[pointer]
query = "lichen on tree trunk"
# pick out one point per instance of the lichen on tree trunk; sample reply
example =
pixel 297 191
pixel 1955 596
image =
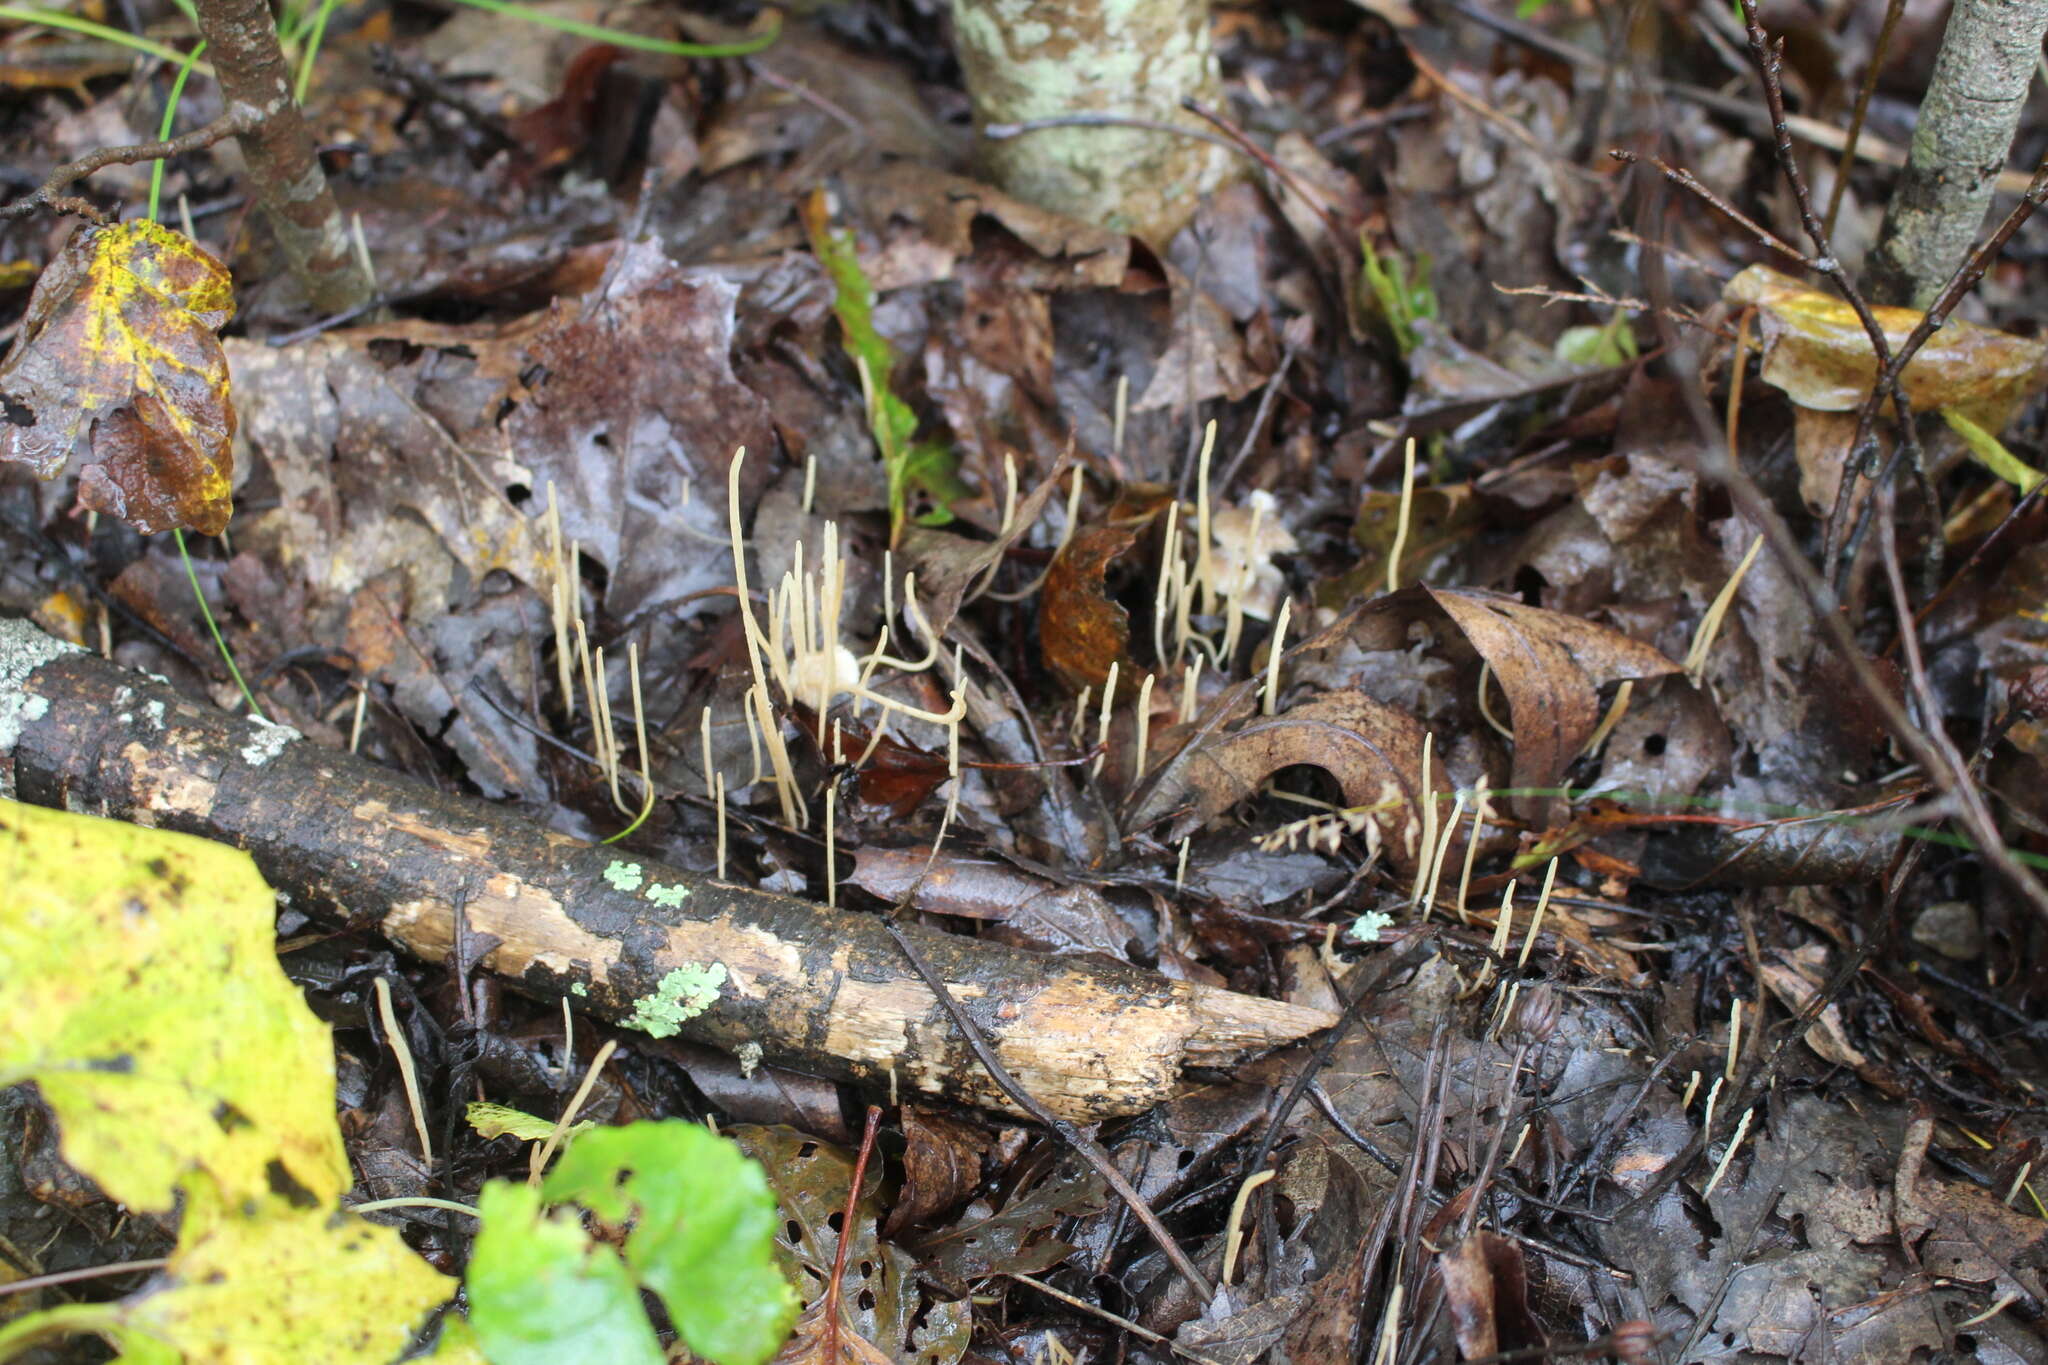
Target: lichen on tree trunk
pixel 1967 120
pixel 1042 59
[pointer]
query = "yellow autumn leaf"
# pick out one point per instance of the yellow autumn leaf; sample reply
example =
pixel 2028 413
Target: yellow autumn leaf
pixel 1818 352
pixel 143 996
pixel 286 1286
pixel 118 345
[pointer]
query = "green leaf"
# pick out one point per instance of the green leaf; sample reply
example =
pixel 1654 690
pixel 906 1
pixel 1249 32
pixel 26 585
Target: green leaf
pixel 540 1291
pixel 927 465
pixel 1402 300
pixel 703 1230
pixel 1991 452
pixel 175 1048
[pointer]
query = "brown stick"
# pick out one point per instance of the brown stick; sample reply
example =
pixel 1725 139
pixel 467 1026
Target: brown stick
pixel 813 989
pixel 289 183
pixel 50 194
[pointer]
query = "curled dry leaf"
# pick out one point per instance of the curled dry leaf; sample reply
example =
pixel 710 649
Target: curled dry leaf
pixel 1816 350
pixel 1081 631
pixel 119 334
pixel 1372 750
pixel 1487 1289
pixel 1551 666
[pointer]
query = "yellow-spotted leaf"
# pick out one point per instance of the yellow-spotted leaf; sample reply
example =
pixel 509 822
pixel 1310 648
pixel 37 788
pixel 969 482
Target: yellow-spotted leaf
pixel 139 988
pixel 301 1286
pixel 118 351
pixel 1817 351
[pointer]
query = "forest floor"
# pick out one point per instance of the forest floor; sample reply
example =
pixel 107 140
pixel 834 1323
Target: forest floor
pixel 1395 595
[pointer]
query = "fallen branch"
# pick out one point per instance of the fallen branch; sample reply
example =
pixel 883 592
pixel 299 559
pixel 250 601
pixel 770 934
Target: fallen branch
pixel 802 987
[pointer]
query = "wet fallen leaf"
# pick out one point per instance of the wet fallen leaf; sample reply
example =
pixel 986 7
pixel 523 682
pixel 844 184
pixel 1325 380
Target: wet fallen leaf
pixel 879 1298
pixel 1081 631
pixel 894 779
pixel 1816 350
pixel 811 1344
pixel 119 340
pixel 1372 750
pixel 941 1166
pixel 1035 912
pixel 1019 1239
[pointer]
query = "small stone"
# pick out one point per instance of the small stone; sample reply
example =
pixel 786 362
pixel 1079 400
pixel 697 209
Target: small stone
pixel 1950 928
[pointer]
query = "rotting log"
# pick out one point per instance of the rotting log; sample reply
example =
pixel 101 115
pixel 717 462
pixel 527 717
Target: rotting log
pixel 812 989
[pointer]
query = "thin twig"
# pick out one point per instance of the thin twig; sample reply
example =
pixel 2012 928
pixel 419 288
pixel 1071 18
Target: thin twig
pixel 1238 138
pixel 1877 52
pixel 1089 1150
pixel 1258 426
pixel 829 1342
pixel 90 1272
pixel 239 119
pixel 1367 988
pixel 1690 183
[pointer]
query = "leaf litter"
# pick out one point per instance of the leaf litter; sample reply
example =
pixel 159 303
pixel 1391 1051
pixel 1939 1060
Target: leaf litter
pixel 1656 1075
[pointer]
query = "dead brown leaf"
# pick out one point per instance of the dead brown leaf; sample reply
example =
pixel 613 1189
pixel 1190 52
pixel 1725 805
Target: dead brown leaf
pixel 1372 750
pixel 1081 632
pixel 1551 666
pixel 941 1166
pixel 1487 1290
pixel 120 334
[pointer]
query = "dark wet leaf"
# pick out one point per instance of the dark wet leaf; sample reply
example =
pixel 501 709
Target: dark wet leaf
pixel 631 408
pixel 1036 912
pixel 1487 1290
pixel 1018 1239
pixel 941 1166
pixel 813 1344
pixel 895 779
pixel 119 340
pixel 879 1297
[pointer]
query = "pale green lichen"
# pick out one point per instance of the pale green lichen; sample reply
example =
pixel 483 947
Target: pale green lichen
pixel 1368 927
pixel 683 994
pixel 670 896
pixel 624 875
pixel 578 989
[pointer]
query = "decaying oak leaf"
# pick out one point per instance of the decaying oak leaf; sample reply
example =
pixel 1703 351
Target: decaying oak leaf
pixel 119 340
pixel 1816 350
pixel 1373 750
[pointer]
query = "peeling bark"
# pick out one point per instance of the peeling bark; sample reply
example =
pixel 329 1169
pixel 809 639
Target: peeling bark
pixel 816 990
pixel 1967 120
pixel 1027 60
pixel 242 45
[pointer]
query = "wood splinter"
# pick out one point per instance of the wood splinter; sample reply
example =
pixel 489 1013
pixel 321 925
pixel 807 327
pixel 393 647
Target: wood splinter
pixel 816 990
